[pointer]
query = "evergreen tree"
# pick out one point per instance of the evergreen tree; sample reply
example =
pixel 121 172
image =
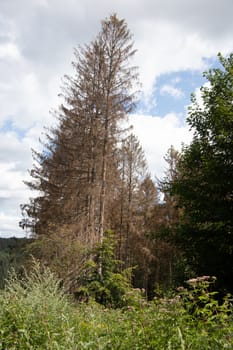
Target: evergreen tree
pixel 74 173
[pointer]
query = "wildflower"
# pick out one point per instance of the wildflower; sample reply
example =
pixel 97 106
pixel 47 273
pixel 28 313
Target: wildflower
pixel 200 279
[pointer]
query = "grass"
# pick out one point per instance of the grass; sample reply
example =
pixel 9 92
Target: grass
pixel 36 314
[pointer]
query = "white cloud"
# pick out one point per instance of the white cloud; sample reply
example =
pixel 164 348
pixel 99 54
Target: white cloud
pixel 157 134
pixel 8 225
pixel 15 151
pixel 171 90
pixel 15 159
pixel 25 99
pixel 171 49
pixel 9 51
pixel 12 193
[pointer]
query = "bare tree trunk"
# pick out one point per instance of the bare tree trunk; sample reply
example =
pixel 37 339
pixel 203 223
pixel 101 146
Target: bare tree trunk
pixel 129 218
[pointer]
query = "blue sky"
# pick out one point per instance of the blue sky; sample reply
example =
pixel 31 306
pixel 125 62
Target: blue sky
pixel 171 93
pixel 175 41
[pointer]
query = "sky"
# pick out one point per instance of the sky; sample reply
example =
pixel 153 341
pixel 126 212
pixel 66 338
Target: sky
pixel 176 40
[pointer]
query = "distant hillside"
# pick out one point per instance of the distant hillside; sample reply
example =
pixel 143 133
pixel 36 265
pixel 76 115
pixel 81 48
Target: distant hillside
pixel 12 254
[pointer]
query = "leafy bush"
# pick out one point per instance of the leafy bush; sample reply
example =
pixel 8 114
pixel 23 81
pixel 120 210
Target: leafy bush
pixel 203 303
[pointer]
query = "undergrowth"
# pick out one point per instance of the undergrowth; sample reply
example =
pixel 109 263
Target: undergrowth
pixel 36 314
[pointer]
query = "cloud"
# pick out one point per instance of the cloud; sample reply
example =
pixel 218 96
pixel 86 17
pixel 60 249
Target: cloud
pixel 171 90
pixel 12 193
pixel 168 36
pixel 25 97
pixel 156 135
pixel 9 51
pixel 7 224
pixel 15 159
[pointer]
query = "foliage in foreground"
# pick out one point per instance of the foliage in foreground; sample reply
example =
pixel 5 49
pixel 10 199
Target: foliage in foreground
pixel 35 314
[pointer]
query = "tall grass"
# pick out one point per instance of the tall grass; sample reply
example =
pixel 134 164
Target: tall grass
pixel 36 314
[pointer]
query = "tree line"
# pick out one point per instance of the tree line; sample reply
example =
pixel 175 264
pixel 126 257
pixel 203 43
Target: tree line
pixel 92 177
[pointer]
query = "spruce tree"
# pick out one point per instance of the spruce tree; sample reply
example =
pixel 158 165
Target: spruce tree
pixel 74 177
